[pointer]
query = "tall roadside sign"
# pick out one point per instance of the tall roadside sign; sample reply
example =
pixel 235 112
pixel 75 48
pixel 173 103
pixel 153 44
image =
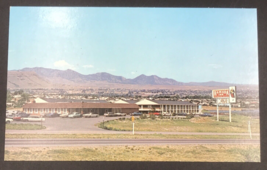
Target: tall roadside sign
pixel 225 97
pixel 232 96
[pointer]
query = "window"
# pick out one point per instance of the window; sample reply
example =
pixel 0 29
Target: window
pixel 35 110
pixel 47 110
pixel 58 110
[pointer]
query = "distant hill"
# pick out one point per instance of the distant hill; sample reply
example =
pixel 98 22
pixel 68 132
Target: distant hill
pixel 154 80
pixel 21 79
pixel 45 77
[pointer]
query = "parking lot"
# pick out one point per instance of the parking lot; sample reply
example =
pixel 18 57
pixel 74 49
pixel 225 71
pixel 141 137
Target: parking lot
pixel 72 124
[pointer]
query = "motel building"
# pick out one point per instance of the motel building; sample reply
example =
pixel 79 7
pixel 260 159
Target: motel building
pixel 148 106
pixel 97 108
pixel 40 106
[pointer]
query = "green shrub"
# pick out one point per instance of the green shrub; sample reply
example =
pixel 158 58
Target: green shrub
pixel 173 114
pixel 152 116
pixel 161 116
pixel 143 116
pixel 190 116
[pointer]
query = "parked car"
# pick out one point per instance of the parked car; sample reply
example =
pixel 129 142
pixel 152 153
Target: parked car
pixel 87 115
pixel 155 113
pixel 33 119
pixel 109 114
pixel 23 114
pixel 166 114
pixel 47 114
pixel 8 120
pixel 10 116
pixel 181 114
pixel 52 115
pixel 75 115
pixel 136 114
pixel 120 114
pixel 64 115
pixel 206 115
pixel 17 118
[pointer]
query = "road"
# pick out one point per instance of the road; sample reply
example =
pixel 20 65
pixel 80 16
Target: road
pixel 123 132
pixel 109 142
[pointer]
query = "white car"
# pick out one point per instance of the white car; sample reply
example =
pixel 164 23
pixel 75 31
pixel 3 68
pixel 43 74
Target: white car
pixel 120 114
pixel 166 114
pixel 75 114
pixel 90 115
pixel 8 120
pixel 33 119
pixel 64 115
pixel 109 114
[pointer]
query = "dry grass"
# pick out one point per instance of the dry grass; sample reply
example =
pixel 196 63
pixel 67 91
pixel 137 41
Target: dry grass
pixel 28 126
pixel 124 136
pixel 220 108
pixel 194 153
pixel 239 124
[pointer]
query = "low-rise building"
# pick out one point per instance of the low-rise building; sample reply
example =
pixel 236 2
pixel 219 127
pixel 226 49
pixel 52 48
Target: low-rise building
pixel 98 108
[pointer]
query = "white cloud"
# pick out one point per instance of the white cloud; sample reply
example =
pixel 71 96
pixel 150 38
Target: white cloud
pixel 132 72
pixel 88 66
pixel 63 64
pixel 57 17
pixel 215 66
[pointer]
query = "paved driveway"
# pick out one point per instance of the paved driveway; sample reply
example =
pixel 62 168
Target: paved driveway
pixel 71 124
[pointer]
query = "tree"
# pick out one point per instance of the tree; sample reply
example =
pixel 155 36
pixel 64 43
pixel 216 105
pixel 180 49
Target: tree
pixel 8 96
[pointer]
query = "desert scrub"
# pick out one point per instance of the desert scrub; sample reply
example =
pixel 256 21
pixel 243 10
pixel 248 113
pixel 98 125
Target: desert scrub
pixel 24 126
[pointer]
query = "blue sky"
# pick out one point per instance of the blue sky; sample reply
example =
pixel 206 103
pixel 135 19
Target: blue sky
pixel 186 44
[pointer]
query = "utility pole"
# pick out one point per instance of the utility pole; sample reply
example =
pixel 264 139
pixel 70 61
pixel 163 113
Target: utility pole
pixel 230 118
pixel 249 129
pixel 217 111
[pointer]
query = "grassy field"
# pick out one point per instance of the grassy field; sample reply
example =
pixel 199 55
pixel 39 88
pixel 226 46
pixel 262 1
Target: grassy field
pixel 125 136
pixel 239 124
pixel 14 126
pixel 202 153
pixel 220 108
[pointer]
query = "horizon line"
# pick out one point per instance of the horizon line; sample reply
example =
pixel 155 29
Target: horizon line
pixel 135 77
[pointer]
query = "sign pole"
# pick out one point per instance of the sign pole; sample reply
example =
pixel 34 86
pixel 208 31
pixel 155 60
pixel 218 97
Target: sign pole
pixel 249 129
pixel 133 123
pixel 230 118
pixel 217 112
pixel 133 128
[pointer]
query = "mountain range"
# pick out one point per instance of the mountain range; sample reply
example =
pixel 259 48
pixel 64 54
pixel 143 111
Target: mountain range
pixel 45 77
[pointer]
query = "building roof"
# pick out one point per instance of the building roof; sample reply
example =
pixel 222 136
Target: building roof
pixel 167 102
pixel 145 102
pixel 78 105
pixel 120 101
pixel 131 101
pixel 159 102
pixel 39 100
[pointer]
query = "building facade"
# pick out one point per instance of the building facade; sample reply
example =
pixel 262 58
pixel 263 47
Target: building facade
pixel 148 106
pixel 98 108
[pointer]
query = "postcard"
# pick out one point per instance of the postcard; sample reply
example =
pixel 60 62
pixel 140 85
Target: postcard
pixel 132 84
